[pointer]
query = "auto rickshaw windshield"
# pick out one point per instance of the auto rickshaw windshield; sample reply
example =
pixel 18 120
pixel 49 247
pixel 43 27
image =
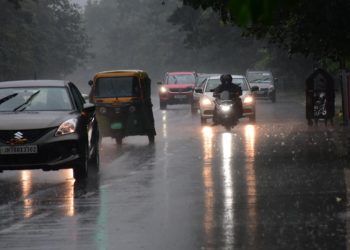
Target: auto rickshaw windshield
pixel 109 87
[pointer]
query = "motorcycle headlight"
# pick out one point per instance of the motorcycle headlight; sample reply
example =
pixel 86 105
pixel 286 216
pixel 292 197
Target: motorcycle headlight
pixel 163 90
pixel 67 127
pixel 225 108
pixel 248 99
pixel 206 101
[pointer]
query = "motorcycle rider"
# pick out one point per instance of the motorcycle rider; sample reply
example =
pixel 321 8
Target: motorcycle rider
pixel 235 93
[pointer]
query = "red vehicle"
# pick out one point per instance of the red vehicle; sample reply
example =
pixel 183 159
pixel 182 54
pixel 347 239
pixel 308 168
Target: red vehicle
pixel 177 88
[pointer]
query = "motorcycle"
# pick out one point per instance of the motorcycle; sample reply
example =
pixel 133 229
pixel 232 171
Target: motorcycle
pixel 226 112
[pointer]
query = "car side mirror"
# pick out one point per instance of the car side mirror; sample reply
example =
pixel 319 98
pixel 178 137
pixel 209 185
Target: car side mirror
pixel 198 90
pixel 90 83
pixel 88 109
pixel 254 89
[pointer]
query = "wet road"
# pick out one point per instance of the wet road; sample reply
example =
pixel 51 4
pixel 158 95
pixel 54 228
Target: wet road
pixel 276 184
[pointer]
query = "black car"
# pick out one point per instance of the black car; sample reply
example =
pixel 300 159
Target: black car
pixel 46 124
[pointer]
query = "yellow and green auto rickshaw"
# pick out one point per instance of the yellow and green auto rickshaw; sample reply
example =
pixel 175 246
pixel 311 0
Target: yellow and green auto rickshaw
pixel 123 104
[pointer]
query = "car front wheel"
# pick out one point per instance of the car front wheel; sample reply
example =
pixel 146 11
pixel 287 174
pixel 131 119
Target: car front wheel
pixel 80 171
pixel 162 105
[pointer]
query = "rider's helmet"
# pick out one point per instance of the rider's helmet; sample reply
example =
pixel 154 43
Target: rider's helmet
pixel 226 79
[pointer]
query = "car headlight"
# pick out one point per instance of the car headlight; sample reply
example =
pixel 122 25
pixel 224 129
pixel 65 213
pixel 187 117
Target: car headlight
pixel 67 127
pixel 163 90
pixel 248 99
pixel 206 101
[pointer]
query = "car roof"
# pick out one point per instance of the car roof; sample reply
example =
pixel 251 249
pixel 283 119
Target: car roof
pixel 181 73
pixel 123 72
pixel 34 83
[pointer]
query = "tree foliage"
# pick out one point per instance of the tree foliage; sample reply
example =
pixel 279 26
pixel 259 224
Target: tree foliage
pixel 127 37
pixel 40 39
pixel 318 29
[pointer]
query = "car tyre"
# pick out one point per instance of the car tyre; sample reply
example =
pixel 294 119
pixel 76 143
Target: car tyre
pixel 151 138
pixel 203 120
pixel 162 105
pixel 273 98
pixel 252 118
pixel 94 162
pixel 80 171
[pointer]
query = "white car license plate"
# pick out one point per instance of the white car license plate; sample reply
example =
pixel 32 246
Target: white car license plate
pixel 180 97
pixel 13 150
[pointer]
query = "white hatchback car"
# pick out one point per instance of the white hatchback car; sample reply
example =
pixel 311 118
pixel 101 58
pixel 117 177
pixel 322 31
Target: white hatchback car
pixel 206 103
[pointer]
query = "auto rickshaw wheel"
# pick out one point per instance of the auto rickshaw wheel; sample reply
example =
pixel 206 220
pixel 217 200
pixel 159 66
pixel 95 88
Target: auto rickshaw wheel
pixel 119 140
pixel 151 138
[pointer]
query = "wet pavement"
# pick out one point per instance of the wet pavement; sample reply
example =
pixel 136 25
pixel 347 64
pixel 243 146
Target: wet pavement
pixel 276 184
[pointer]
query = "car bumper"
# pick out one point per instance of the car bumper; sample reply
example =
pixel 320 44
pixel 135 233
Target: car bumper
pixel 53 153
pixel 176 98
pixel 265 94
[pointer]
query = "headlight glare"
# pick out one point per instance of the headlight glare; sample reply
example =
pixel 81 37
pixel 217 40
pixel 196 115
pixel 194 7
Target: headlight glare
pixel 225 108
pixel 248 99
pixel 68 127
pixel 163 90
pixel 206 101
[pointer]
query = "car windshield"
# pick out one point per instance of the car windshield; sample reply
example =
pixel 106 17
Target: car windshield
pixel 213 83
pixel 108 87
pixel 259 77
pixel 181 79
pixel 35 99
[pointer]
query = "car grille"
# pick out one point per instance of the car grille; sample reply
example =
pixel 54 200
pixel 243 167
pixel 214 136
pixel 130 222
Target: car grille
pixel 180 90
pixel 30 135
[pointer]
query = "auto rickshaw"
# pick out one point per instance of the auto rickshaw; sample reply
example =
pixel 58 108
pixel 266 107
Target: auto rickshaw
pixel 123 104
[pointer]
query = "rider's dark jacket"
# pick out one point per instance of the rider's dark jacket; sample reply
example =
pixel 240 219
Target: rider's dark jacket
pixel 231 87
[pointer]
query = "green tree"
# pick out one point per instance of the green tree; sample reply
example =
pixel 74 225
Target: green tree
pixel 41 38
pixel 318 29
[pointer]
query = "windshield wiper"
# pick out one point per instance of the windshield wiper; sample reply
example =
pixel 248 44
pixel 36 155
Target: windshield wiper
pixel 6 98
pixel 25 104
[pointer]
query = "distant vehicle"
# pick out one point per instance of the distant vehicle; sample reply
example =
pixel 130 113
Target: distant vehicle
pixel 265 82
pixel 200 80
pixel 177 88
pixel 207 105
pixel 46 124
pixel 123 104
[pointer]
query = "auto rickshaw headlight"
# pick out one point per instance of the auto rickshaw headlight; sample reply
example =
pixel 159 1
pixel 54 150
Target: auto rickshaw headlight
pixel 248 99
pixel 132 109
pixel 103 110
pixel 163 90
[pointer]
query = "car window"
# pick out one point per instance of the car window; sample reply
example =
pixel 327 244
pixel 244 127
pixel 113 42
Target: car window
pixel 259 77
pixel 213 83
pixel 78 98
pixel 108 87
pixel 35 99
pixel 181 79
